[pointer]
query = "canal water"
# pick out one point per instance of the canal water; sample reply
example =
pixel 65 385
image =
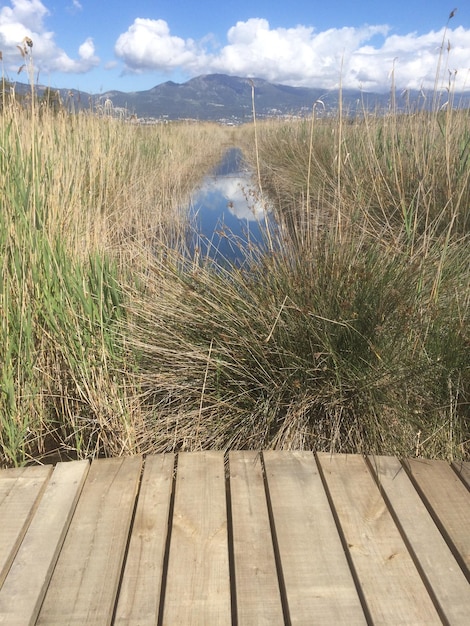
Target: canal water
pixel 226 212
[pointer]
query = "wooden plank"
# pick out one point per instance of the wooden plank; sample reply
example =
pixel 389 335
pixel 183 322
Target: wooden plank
pixel 318 582
pixel 257 586
pixel 198 585
pixel 463 470
pixel 439 567
pixel 391 585
pixel 449 502
pixel 25 586
pixel 20 490
pixel 84 583
pixel 139 596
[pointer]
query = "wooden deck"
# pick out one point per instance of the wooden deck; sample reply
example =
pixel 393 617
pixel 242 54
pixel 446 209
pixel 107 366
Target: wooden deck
pixel 199 538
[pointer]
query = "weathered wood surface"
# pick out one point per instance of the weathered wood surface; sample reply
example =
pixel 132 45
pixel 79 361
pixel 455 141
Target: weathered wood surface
pixel 447 500
pixel 22 593
pixel 85 580
pixel 256 577
pixel 463 470
pixel 316 574
pixel 19 491
pixel 245 539
pixel 139 598
pixel 197 585
pixel 437 565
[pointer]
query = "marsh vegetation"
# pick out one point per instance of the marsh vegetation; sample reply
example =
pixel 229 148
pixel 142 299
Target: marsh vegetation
pixel 346 331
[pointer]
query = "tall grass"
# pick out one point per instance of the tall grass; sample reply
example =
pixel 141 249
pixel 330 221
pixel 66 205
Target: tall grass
pixel 85 202
pixel 403 175
pixel 347 331
pixel 350 331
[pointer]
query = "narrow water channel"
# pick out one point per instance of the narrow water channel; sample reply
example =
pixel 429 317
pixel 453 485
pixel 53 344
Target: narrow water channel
pixel 227 213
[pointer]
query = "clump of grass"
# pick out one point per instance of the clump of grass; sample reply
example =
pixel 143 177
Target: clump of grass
pixel 341 349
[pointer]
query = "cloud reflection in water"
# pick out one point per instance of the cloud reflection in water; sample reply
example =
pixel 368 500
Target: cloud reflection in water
pixel 228 210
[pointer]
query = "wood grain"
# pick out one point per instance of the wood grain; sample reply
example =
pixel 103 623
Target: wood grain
pixel 85 580
pixel 463 470
pixel 318 582
pixel 449 502
pixel 20 491
pixel 139 597
pixel 438 566
pixel 25 586
pixel 257 586
pixel 277 537
pixel 392 586
pixel 198 585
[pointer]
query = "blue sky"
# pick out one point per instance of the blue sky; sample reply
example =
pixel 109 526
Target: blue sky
pixel 131 45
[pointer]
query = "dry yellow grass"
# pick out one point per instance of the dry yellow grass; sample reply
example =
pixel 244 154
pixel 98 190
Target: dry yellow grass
pixel 86 201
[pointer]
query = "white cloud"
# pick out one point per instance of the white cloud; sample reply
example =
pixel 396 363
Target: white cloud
pixel 87 49
pixel 111 65
pixel 148 45
pixel 242 199
pixel 27 13
pixel 361 57
pixel 75 7
pixel 297 55
pixel 26 18
pixel 414 59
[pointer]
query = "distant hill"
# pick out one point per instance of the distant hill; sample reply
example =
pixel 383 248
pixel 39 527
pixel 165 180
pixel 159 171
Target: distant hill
pixel 218 96
pixel 222 97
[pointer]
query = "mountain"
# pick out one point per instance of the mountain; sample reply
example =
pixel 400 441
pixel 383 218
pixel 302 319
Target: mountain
pixel 229 98
pixel 218 96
